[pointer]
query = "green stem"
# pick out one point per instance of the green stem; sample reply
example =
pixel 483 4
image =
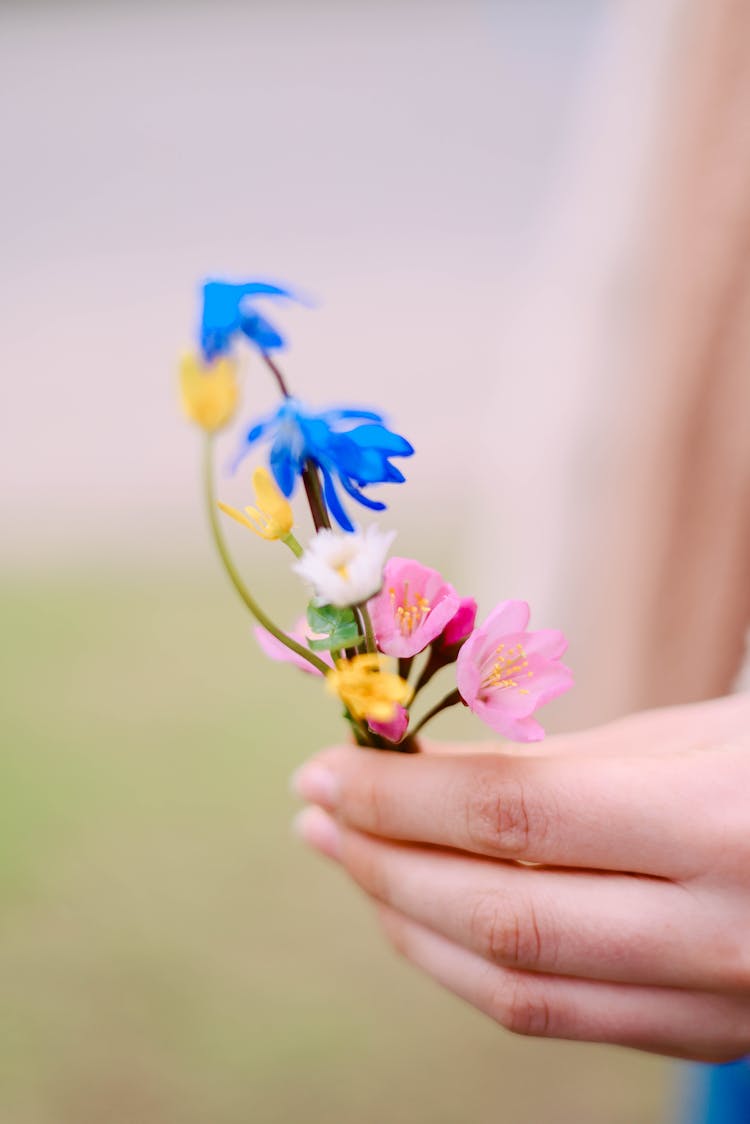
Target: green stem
pixel 290 541
pixel 449 700
pixel 229 566
pixel 367 628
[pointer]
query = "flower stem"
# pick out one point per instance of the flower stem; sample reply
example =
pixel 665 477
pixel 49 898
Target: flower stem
pixel 314 494
pixel 310 477
pixel 367 628
pixel 276 372
pixel 229 566
pixel 432 666
pixel 290 541
pixel 440 656
pixel 449 700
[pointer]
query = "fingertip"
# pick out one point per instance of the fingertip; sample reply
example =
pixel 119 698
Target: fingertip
pixel 318 830
pixel 316 782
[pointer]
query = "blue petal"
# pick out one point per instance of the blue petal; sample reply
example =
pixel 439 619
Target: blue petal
pixel 224 314
pixel 350 459
pixel 368 466
pixel 261 332
pixel 283 466
pixel 261 289
pixel 318 439
pixel 378 437
pixel 213 344
pixel 393 474
pixel 360 497
pixel 345 457
pixel 259 430
pixel 333 501
pixel 333 417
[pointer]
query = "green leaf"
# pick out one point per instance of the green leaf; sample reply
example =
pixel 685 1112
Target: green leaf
pixel 327 619
pixel 338 640
pixel 338 628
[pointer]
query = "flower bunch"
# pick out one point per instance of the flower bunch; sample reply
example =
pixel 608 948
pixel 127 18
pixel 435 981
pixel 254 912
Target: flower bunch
pixel 376 629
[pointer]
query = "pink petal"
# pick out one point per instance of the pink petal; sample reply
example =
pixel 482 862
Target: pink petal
pixel 421 581
pixel 507 617
pixel 547 642
pixel 525 729
pixel 393 730
pixel 549 680
pixel 499 628
pixel 462 622
pixel 275 650
pixel 508 709
pixel 468 674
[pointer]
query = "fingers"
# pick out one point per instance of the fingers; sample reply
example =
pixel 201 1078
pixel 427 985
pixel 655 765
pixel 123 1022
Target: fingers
pixel 586 811
pixel 695 1025
pixel 672 729
pixel 574 923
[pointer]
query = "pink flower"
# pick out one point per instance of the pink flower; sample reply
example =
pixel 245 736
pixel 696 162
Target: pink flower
pixel 505 672
pixel 412 608
pixel 275 650
pixel 462 624
pixel 394 730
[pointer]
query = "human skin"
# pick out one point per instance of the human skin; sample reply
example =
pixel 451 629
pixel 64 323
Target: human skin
pixel 593 887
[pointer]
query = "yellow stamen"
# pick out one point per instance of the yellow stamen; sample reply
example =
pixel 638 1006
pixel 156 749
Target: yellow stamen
pixel 409 615
pixel 508 668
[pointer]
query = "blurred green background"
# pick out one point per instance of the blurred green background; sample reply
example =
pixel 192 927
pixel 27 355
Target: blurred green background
pixel 168 952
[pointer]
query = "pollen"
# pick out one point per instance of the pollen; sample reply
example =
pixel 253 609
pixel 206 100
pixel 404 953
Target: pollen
pixel 409 614
pixel 509 668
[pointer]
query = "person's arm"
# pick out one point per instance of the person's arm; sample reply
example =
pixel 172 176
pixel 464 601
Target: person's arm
pixel 661 583
pixel 597 889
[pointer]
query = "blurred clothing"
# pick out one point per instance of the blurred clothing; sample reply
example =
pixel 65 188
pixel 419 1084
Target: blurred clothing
pixel 637 515
pixel 717 1094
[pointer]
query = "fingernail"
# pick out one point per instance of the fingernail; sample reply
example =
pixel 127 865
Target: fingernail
pixel 315 783
pixel 318 830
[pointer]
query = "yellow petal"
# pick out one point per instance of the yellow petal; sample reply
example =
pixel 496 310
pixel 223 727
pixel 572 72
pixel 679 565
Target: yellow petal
pixel 366 689
pixel 274 505
pixel 209 391
pixel 235 514
pixel 259 522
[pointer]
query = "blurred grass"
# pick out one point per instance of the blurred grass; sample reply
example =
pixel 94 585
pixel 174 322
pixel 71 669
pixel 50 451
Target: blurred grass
pixel 168 954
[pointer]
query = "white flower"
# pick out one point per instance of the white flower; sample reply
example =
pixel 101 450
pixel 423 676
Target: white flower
pixel 345 569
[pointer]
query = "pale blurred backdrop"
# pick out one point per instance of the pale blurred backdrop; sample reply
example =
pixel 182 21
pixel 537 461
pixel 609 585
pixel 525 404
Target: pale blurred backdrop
pixel 396 161
pixel 466 190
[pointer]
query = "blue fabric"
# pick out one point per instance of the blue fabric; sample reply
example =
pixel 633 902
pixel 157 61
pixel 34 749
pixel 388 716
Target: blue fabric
pixel 717 1094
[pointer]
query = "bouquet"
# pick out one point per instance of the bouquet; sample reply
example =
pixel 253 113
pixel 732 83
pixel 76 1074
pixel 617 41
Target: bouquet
pixel 374 628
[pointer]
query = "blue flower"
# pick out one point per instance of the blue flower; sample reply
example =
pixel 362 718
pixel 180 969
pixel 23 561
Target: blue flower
pixel 349 457
pixel 228 311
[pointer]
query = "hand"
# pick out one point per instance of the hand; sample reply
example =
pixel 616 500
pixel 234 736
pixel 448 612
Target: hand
pixel 631 926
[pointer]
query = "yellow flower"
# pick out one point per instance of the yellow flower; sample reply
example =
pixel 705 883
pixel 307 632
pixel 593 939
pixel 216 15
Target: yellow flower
pixel 272 518
pixel 367 690
pixel 209 391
